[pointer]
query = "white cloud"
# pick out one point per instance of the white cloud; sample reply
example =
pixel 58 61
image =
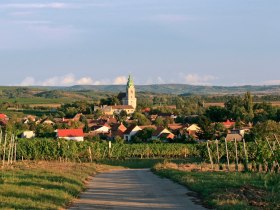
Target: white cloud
pixel 53 5
pixel 71 79
pixel 195 79
pixel 271 82
pixel 51 82
pixel 28 81
pixel 85 81
pixel 120 80
pixel 160 80
pixel 68 79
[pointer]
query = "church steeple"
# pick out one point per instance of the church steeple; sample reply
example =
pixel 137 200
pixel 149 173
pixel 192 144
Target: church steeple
pixel 130 98
pixel 130 82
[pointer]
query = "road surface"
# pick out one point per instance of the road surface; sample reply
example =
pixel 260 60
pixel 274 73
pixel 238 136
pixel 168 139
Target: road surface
pixel 133 189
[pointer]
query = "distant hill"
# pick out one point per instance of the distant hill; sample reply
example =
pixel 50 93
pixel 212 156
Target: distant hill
pixel 181 89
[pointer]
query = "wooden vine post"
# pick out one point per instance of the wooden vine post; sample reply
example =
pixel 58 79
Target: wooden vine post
pixel 236 155
pixel 227 154
pixel 4 151
pixel 109 149
pixel 210 156
pixel 277 140
pixel 272 152
pixel 90 154
pixel 245 155
pixel 218 155
pixel 15 154
pixel 0 141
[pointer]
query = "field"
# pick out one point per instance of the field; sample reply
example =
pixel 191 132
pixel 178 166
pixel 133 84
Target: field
pixel 43 185
pixel 223 190
pixel 221 104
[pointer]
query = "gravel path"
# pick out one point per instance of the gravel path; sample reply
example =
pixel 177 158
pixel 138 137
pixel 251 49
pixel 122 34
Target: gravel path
pixel 133 189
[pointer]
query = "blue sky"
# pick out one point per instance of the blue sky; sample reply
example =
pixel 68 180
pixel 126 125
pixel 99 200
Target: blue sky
pixel 200 42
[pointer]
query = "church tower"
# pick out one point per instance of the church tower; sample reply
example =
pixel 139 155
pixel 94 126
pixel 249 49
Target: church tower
pixel 130 98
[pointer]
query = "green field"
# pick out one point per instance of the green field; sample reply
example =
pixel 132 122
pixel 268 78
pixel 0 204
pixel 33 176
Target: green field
pixel 43 185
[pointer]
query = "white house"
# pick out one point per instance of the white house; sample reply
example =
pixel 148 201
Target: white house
pixel 100 129
pixel 28 134
pixel 162 132
pixel 71 134
pixel 131 131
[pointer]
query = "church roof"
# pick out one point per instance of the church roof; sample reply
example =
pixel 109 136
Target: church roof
pixel 130 82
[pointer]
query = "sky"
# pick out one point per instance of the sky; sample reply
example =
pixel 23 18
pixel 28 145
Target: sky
pixel 94 42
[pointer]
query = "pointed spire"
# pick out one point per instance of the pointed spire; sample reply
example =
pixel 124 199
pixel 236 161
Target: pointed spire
pixel 130 82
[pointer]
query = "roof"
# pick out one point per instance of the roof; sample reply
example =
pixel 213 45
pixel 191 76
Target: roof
pixel 228 123
pixel 3 116
pixel 160 131
pixel 131 128
pixel 148 126
pixel 175 126
pixel 232 136
pixel 70 133
pixel 167 136
pixel 118 127
pixel 193 127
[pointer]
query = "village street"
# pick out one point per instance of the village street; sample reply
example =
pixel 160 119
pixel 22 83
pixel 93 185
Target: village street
pixel 134 189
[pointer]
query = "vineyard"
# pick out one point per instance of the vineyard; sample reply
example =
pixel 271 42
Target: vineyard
pixel 261 156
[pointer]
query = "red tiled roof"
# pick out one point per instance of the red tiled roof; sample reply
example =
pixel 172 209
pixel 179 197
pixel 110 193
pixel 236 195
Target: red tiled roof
pixel 228 123
pixel 175 126
pixel 3 116
pixel 70 133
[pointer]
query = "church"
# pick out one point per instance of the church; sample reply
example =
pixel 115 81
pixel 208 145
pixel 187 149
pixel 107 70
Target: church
pixel 130 98
pixel 129 101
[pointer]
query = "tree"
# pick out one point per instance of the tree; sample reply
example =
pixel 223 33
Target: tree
pixel 122 116
pixel 248 105
pixel 235 107
pixel 265 129
pixel 141 118
pixel 119 140
pixel 97 113
pixel 217 114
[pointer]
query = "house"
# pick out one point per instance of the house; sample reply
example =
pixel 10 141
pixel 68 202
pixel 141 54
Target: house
pixel 111 110
pixel 71 134
pixel 28 134
pixel 3 119
pixel 97 129
pixel 229 124
pixel 47 122
pixel 118 130
pixel 77 117
pixel 193 130
pixel 175 126
pixel 162 133
pixel 233 136
pixel 131 131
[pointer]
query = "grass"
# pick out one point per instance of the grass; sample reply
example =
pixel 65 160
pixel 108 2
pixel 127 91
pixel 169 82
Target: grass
pixel 140 163
pixel 43 185
pixel 223 190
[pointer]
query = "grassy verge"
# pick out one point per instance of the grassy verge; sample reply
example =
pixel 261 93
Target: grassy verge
pixel 223 190
pixel 142 163
pixel 43 185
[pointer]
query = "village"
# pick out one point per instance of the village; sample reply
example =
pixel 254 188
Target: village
pixel 122 123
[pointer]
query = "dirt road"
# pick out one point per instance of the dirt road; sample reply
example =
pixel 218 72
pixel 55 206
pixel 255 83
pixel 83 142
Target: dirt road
pixel 133 189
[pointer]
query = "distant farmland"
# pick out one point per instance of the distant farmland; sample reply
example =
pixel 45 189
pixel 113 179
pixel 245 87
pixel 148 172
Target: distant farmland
pixel 221 104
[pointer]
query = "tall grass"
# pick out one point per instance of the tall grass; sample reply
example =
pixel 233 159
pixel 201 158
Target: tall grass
pixel 223 190
pixel 43 185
